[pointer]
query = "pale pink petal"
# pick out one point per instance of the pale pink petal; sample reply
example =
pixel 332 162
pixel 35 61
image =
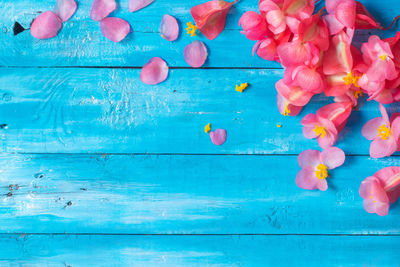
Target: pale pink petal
pixel 309 159
pixel 282 102
pixel 169 28
pixel 46 25
pixel 293 53
pixel 309 122
pixel 385 115
pixel 382 148
pixel 322 184
pixel 218 137
pixel 332 157
pixel 115 29
pixel 102 8
pixel 154 72
pixel 328 140
pixel 389 178
pixel 382 208
pixel 306 179
pixel 333 24
pixel 367 187
pixel 294 94
pixel 331 5
pixel 395 126
pixel 346 13
pixel 65 9
pixel 195 54
pixel 135 5
pixel 309 132
pixel 370 129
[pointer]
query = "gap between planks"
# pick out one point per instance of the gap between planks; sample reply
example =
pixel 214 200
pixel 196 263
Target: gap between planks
pixel 222 234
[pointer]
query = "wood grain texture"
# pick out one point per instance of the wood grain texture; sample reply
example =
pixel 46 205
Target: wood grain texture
pixel 111 111
pixel 185 251
pixel 183 195
pixel 80 42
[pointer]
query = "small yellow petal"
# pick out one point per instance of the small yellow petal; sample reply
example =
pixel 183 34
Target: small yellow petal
pixel 279 125
pixel 207 128
pixel 242 87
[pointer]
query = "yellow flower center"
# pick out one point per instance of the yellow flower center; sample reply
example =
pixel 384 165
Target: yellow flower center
pixel 319 131
pixel 240 88
pixel 321 172
pixel 286 111
pixel 384 132
pixel 383 57
pixel 191 29
pixel 351 79
pixel 207 128
pixel 358 93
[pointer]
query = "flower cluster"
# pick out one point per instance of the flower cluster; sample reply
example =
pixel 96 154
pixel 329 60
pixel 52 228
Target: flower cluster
pixel 317 52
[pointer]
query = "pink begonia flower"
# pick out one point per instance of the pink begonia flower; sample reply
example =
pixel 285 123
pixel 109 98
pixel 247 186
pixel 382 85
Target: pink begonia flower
pixel 195 54
pixel 135 5
pixel 267 48
pixel 327 123
pixel 286 108
pixel 254 26
pixel 315 165
pixel 169 28
pixel 47 24
pixel 115 29
pixel 102 8
pixel 309 79
pixel 218 137
pixel 381 189
pixel 210 17
pixel 154 72
pixel 283 14
pixel 385 134
pixel 296 53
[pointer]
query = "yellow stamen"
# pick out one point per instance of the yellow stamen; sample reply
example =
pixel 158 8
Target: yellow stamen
pixel 240 88
pixel 207 128
pixel 319 131
pixel 279 125
pixel 383 57
pixel 351 79
pixel 384 132
pixel 286 111
pixel 321 171
pixel 191 29
pixel 358 93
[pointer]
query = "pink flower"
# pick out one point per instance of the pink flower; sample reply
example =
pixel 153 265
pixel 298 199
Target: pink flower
pixel 381 189
pixel 254 26
pixel 286 108
pixel 385 134
pixel 315 165
pixel 210 17
pixel 327 123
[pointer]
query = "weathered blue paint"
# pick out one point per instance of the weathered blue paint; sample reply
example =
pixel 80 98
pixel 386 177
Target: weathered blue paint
pixel 98 169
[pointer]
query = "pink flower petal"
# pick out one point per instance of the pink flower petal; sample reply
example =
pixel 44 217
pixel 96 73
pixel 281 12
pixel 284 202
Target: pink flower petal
pixel 115 29
pixel 254 25
pixel 328 140
pixel 385 115
pixel 218 137
pixel 266 49
pixel 154 72
pixel 135 5
pixel 322 184
pixel 366 187
pixel 309 159
pixel 65 9
pixel 306 179
pixel 46 25
pixel 389 178
pixel 370 129
pixel 333 24
pixel 195 54
pixel 382 148
pixel 282 102
pixel 102 8
pixel 169 28
pixel 346 13
pixel 294 94
pixel 210 17
pixel 309 79
pixel 332 157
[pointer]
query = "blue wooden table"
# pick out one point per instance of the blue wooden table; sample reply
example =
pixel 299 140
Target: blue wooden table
pixel 99 169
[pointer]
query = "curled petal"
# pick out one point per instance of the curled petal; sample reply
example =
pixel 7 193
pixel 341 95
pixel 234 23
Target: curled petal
pixel 364 19
pixel 115 29
pixel 389 178
pixel 333 157
pixel 306 179
pixel 135 5
pixel 102 8
pixel 384 113
pixel 65 9
pixel 218 137
pixel 154 72
pixel 169 28
pixel 46 25
pixel 195 54
pixel 309 159
pixel 285 106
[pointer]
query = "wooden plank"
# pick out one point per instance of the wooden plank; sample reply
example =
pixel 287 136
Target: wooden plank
pixel 110 110
pixel 172 194
pixel 80 42
pixel 100 250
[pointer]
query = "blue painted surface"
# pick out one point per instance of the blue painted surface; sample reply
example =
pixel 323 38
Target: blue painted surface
pixel 99 169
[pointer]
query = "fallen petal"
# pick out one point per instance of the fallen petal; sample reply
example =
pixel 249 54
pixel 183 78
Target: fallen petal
pixel 46 25
pixel 154 72
pixel 114 29
pixel 195 54
pixel 218 137
pixel 169 28
pixel 102 8
pixel 65 9
pixel 135 5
